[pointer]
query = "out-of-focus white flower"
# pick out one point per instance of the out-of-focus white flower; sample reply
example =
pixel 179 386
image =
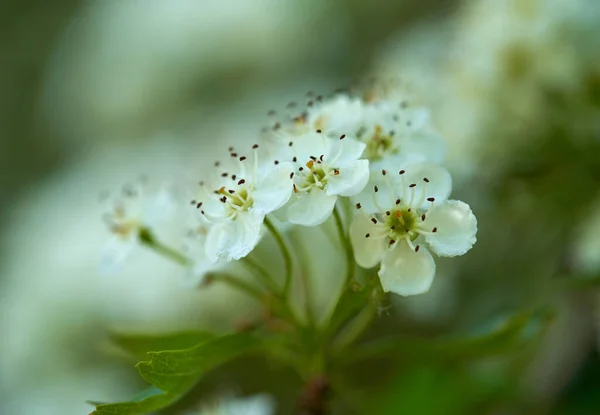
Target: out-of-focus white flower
pixel 135 208
pixel 237 202
pixel 252 405
pixel 411 210
pixel 325 169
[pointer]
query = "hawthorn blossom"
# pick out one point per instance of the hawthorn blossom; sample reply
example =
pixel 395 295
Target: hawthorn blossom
pixel 411 213
pixel 128 213
pixel 237 202
pixel 325 169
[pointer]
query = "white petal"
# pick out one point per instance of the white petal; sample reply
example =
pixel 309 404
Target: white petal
pixel 312 208
pixel 438 187
pixel 309 144
pixel 382 196
pixel 158 207
pixel 368 252
pixel 234 239
pixel 456 228
pixel 346 151
pixel 273 189
pixel 115 252
pixel 352 179
pixel 406 272
pixel 429 145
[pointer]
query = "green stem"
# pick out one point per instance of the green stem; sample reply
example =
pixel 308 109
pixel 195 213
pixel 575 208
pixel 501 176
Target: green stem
pixel 346 243
pixel 147 239
pixel 305 278
pixel 287 256
pixel 237 284
pixel 263 274
pixel 355 328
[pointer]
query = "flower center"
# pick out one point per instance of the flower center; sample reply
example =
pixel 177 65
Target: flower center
pixel 379 143
pixel 315 173
pixel 236 200
pixel 406 219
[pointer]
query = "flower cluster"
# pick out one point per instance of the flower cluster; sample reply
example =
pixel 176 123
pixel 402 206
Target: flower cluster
pixel 381 155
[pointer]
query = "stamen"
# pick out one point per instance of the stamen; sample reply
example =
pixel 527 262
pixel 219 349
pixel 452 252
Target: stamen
pixel 276 162
pixel 417 248
pixel 318 131
pixel 242 181
pixel 358 206
pixel 376 188
pixel 425 179
pixel 242 158
pixel 255 146
pixel 291 175
pixel 398 201
pixel 383 172
pixel 367 235
pixel 295 159
pixel 423 217
pixel 374 221
pixel 402 172
pixel 342 136
pixel 431 199
pixel 434 230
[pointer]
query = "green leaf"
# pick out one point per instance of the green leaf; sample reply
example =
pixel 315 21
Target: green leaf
pixel 174 372
pixel 511 335
pixel 138 345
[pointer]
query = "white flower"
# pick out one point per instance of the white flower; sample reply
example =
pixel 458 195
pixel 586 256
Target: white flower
pixel 238 202
pixel 339 115
pixel 325 169
pixel 134 209
pixel 411 210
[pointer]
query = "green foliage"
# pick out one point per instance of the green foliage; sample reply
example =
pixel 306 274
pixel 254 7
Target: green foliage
pixel 139 345
pixel 174 372
pixel 509 336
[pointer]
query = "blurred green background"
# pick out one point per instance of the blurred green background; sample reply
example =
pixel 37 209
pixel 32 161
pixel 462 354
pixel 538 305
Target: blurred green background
pixel 94 93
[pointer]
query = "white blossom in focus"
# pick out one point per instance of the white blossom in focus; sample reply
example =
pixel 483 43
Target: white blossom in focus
pixel 237 202
pixel 411 213
pixel 325 169
pixel 135 208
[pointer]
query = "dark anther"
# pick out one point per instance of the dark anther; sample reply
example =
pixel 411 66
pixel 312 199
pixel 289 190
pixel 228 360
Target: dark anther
pixel 374 220
pixel 233 155
pixel 392 241
pixel 319 131
pixel 401 172
pixel 231 191
pixel 383 172
pixel 376 189
pixel 291 175
pixel 255 146
pixel 224 174
pixel 242 181
pixel 423 216
pixel 367 235
pixel 291 143
pixel 276 162
pixel 425 179
pixel 412 185
pixel 358 205
pixel 434 230
pixel 313 158
pixel 242 158
pixel 398 201
pixel 295 159
pixel 431 199
pixel 342 136
pixel 417 248
pixel 387 212
pixel 217 163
